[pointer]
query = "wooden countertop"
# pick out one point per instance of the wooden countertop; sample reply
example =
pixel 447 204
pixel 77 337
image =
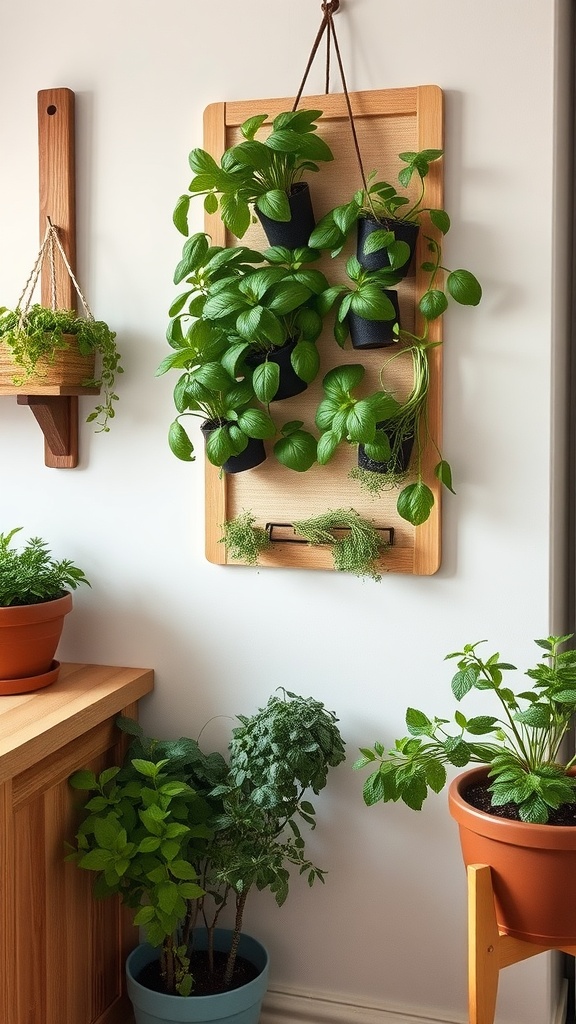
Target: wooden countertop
pixel 34 725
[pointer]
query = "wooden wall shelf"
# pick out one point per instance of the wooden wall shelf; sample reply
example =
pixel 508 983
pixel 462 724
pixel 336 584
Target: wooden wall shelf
pixel 56 408
pixel 387 122
pixel 61 953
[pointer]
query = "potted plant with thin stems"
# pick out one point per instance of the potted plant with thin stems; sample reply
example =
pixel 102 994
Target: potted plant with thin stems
pixel 387 222
pixel 517 812
pixel 35 596
pixel 180 834
pixel 261 176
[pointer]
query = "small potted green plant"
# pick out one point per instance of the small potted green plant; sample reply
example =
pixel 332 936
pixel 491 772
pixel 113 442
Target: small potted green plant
pixel 355 542
pixel 233 429
pixel 181 834
pixel 367 309
pixel 271 320
pixel 40 347
pixel 517 812
pixel 34 598
pixel 387 222
pixel 343 417
pixel 264 177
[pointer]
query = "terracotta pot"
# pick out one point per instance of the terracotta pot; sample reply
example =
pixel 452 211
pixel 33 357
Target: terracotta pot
pixel 68 369
pixel 29 636
pixel 533 868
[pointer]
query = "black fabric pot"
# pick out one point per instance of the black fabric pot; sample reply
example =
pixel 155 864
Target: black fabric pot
pixel 253 455
pixel 290 383
pixel 402 462
pixel 403 232
pixel 295 232
pixel 374 333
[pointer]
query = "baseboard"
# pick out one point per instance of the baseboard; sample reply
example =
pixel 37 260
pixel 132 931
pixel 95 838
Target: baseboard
pixel 290 1007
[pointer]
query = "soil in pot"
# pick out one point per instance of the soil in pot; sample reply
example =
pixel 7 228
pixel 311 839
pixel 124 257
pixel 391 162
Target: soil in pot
pixel 479 796
pixel 206 983
pixel 404 231
pixel 295 232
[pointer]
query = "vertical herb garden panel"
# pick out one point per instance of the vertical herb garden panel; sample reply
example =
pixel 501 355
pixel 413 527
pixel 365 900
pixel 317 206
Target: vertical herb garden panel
pixel 387 123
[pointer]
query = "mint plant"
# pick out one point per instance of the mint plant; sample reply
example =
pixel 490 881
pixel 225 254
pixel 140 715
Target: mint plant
pixel 524 742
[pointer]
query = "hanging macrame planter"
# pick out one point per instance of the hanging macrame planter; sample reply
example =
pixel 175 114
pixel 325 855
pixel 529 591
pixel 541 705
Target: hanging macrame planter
pixel 52 351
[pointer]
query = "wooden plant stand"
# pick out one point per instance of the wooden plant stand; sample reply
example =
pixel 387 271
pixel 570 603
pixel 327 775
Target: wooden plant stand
pixel 489 949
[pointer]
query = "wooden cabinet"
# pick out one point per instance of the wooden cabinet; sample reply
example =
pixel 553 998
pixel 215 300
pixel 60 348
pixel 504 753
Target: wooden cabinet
pixel 61 952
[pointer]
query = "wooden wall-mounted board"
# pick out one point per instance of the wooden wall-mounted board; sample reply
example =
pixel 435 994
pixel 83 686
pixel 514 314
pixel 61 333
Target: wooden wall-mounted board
pixel 388 122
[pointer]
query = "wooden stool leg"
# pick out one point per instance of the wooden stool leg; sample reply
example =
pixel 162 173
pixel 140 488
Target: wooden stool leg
pixel 483 939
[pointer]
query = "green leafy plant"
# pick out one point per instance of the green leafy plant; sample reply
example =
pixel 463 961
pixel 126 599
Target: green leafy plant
pixel 31 576
pixel 197 833
pixel 255 174
pixel 383 203
pixel 261 310
pixel 524 743
pixel 144 830
pixel 344 417
pixel 209 392
pixel 366 297
pixel 38 334
pixel 408 422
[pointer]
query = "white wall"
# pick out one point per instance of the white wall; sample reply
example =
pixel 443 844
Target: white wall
pixel 388 929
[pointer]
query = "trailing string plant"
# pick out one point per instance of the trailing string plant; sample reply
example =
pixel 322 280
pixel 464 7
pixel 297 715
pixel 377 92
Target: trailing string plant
pixel 355 543
pixel 181 834
pixel 243 539
pixel 255 175
pixel 522 745
pixel 385 465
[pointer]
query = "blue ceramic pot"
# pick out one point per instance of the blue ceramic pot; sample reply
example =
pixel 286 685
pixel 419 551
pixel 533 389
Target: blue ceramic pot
pixel 240 1006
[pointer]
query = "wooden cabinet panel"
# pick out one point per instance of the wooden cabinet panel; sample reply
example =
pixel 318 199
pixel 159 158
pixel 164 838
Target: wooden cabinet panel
pixel 61 952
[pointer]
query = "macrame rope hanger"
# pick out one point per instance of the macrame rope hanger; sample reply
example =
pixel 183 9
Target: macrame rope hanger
pixel 329 9
pixel 50 243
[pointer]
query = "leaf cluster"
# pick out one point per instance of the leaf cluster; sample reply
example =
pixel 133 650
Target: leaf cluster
pixel 31 576
pixel 523 745
pixel 255 173
pixel 39 333
pixel 179 833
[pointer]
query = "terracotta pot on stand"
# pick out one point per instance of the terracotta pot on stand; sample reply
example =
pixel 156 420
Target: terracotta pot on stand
pixel 533 868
